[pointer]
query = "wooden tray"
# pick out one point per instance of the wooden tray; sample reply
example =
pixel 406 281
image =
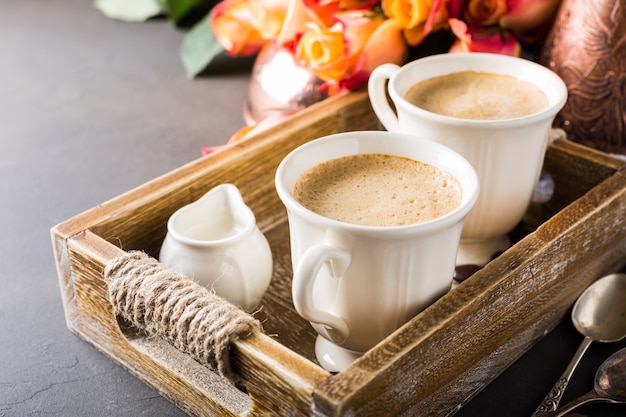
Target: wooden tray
pixel 430 367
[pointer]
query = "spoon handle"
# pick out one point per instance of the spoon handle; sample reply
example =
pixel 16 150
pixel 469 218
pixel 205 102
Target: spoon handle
pixel 552 399
pixel 591 396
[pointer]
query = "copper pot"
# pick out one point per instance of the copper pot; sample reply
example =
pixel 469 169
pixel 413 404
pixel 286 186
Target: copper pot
pixel 587 48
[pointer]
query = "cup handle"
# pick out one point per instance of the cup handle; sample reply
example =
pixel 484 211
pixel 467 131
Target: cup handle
pixel 335 328
pixel 377 89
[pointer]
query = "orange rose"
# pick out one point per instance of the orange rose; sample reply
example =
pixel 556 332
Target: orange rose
pixel 324 52
pixel 268 16
pixel 417 17
pixel 242 27
pixel 386 45
pixel 345 54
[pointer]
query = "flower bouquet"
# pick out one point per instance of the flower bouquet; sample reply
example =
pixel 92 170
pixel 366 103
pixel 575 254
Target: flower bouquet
pixel 339 42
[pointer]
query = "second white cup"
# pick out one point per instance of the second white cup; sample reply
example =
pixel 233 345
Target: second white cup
pixel 506 153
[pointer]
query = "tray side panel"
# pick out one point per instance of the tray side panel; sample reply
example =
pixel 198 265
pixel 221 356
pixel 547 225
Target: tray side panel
pixel 66 285
pixel 188 384
pixel 462 342
pixel 99 326
pixel 575 169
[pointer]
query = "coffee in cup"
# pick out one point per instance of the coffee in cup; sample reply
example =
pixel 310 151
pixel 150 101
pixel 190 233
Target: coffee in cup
pixel 378 190
pixel 477 95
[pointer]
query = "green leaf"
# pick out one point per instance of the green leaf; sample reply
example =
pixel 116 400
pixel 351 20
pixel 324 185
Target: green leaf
pixel 178 9
pixel 199 47
pixel 129 10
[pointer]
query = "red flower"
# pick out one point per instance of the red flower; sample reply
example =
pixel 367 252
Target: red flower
pixel 483 39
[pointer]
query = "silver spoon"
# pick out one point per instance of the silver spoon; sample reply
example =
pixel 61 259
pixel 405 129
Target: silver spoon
pixel 599 314
pixel 609 385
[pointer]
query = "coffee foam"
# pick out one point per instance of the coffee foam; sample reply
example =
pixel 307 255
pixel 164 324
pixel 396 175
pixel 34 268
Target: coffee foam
pixel 477 95
pixel 378 190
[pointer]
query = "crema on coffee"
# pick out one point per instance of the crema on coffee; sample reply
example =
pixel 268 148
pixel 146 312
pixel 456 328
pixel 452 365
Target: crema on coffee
pixel 378 190
pixel 477 95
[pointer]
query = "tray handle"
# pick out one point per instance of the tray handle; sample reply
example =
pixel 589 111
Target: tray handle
pixel 167 304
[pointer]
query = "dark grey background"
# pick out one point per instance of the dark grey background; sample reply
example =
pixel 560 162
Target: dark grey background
pixel 90 108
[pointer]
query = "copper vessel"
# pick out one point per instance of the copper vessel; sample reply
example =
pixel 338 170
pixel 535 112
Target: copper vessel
pixel 278 85
pixel 587 48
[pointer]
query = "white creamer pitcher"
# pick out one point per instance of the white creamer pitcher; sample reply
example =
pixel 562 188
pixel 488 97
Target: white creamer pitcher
pixel 216 242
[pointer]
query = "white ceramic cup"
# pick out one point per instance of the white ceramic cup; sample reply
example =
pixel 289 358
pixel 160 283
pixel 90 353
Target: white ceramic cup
pixel 357 284
pixel 507 154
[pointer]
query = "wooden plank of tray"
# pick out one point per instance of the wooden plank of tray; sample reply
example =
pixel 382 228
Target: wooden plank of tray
pixel 260 358
pixel 432 365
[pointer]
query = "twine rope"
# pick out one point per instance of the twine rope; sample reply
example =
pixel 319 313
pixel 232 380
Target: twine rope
pixel 167 304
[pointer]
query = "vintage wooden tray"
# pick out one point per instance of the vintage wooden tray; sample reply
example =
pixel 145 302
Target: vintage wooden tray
pixel 430 367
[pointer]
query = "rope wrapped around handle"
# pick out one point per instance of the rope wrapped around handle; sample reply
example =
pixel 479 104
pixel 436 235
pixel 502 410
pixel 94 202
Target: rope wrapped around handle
pixel 167 304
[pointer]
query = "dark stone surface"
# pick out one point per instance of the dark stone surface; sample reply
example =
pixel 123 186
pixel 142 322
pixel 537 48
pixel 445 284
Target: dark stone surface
pixel 90 108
